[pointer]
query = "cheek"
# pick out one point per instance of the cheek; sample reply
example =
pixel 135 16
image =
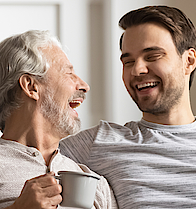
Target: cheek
pixel 160 70
pixel 125 80
pixel 125 76
pixel 127 83
pixel 62 93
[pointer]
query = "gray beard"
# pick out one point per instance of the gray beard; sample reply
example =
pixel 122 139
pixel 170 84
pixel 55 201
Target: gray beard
pixel 60 119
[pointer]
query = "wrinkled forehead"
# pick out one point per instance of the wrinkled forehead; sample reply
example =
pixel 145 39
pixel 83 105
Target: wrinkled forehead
pixel 56 57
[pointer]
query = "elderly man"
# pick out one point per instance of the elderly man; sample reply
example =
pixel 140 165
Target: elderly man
pixel 38 93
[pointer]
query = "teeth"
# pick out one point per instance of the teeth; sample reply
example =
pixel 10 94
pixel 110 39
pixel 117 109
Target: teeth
pixel 74 103
pixel 78 102
pixel 146 85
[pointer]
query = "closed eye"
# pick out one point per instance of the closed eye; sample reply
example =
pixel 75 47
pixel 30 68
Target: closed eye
pixel 153 57
pixel 128 63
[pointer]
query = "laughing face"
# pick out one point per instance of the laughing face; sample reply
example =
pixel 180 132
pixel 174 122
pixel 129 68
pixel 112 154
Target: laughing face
pixel 62 92
pixel 152 68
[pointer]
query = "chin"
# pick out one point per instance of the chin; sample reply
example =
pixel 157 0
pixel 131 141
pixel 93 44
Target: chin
pixel 70 127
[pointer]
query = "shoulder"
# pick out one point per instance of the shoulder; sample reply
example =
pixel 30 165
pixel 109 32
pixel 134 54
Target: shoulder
pixel 104 130
pixel 108 127
pixel 113 132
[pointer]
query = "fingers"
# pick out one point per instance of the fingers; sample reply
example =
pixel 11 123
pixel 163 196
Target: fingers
pixel 52 190
pixel 50 202
pixel 40 192
pixel 43 181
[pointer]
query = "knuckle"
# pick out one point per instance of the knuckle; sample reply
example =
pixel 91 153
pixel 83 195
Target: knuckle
pixel 60 199
pixel 30 184
pixel 43 204
pixel 59 188
pixel 52 180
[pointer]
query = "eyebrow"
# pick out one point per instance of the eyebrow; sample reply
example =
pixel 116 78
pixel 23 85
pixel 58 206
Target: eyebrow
pixel 66 66
pixel 154 48
pixel 149 49
pixel 69 66
pixel 124 55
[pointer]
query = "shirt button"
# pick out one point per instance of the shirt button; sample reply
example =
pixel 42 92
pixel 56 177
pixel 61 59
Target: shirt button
pixel 36 153
pixel 47 170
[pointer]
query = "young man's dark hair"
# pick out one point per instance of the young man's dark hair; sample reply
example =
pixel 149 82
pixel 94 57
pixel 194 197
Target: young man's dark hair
pixel 175 21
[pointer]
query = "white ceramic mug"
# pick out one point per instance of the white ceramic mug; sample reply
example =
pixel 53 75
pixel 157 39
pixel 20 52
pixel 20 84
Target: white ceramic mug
pixel 78 189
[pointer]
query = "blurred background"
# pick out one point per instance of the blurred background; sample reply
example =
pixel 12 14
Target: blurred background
pixel 89 32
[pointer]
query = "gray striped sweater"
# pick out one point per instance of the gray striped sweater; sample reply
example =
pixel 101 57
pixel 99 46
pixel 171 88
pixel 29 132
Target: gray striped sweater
pixel 147 165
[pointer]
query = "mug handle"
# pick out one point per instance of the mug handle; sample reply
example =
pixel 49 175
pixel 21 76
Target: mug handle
pixel 57 177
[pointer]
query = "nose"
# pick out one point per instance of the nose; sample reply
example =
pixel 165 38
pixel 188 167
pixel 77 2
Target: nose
pixel 139 68
pixel 82 85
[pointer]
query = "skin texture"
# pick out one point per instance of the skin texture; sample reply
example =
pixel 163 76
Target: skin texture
pixel 29 126
pixel 63 86
pixel 40 192
pixel 151 59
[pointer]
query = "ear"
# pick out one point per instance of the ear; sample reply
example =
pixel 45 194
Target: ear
pixel 190 61
pixel 29 86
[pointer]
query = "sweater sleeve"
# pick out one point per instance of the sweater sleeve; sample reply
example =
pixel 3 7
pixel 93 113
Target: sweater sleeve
pixel 77 147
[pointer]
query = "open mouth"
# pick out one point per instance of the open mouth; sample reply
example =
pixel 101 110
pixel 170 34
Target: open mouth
pixel 147 85
pixel 75 103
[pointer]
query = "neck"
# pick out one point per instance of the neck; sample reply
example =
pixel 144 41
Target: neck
pixel 33 131
pixel 176 116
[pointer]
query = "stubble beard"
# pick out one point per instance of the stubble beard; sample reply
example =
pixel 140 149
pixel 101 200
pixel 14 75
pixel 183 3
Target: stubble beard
pixel 60 119
pixel 163 105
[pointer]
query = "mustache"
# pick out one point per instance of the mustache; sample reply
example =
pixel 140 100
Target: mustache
pixel 76 95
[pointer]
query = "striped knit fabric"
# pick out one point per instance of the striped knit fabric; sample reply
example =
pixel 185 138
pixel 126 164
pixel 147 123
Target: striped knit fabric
pixel 147 165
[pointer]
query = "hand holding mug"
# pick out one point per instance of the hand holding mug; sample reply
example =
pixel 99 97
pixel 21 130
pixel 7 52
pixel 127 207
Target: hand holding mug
pixel 40 192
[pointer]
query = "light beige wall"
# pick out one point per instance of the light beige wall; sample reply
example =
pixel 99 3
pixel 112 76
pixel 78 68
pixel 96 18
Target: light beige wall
pixel 67 19
pixel 117 104
pixel 90 30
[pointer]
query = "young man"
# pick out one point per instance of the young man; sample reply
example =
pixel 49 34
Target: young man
pixel 149 163
pixel 38 91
